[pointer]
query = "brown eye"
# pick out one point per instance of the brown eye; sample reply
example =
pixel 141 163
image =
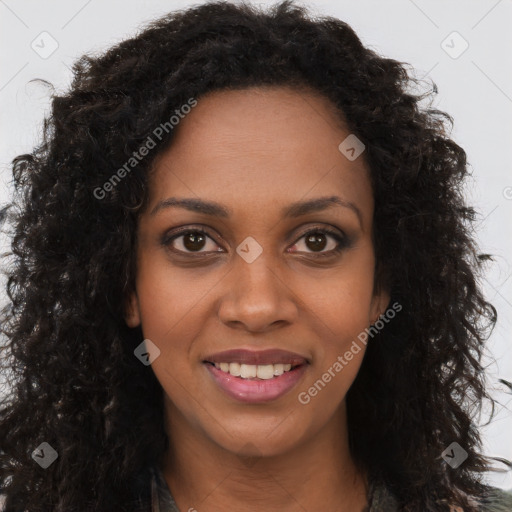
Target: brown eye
pixel 316 241
pixel 191 241
pixel 194 241
pixel 322 242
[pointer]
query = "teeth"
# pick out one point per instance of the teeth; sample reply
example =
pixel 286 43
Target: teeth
pixel 279 369
pixel 250 371
pixel 234 369
pixel 265 371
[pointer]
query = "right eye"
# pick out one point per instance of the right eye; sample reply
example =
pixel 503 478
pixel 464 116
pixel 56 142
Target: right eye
pixel 189 241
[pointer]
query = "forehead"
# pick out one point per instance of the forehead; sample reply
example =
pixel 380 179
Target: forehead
pixel 260 147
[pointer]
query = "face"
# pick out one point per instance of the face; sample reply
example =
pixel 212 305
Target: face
pixel 271 274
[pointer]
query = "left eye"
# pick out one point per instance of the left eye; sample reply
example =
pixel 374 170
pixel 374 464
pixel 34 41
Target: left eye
pixel 317 239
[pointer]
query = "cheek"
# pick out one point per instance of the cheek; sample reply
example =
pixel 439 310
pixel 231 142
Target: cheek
pixel 343 299
pixel 341 311
pixel 338 359
pixel 170 298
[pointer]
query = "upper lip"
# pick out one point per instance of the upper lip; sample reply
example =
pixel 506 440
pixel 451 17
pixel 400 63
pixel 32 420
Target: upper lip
pixel 259 357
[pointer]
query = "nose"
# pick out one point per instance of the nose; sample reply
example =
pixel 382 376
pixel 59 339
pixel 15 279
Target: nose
pixel 257 297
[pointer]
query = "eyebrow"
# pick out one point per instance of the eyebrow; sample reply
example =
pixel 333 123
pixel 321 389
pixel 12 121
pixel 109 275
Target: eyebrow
pixel 293 210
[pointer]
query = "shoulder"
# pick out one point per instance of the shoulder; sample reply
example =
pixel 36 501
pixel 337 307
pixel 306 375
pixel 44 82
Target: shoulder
pixel 497 500
pixel 494 500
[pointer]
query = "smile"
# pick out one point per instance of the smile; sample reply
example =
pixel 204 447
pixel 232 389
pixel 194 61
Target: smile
pixel 255 376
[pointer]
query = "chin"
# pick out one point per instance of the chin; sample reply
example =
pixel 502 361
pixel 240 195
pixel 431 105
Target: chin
pixel 260 442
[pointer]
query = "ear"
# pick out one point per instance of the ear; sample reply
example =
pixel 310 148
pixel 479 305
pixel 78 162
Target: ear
pixel 132 311
pixel 380 303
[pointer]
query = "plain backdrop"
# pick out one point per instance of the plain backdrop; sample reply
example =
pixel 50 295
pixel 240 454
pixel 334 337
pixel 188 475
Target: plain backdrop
pixel 462 45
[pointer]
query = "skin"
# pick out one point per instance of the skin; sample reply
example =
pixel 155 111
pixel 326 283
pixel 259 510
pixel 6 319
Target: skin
pixel 256 151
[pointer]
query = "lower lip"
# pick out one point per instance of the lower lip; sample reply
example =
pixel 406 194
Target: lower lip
pixel 257 390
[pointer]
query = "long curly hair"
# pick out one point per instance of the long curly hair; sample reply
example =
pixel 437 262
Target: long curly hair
pixel 74 381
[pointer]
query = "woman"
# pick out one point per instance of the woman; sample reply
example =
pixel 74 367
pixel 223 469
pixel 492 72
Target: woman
pixel 243 278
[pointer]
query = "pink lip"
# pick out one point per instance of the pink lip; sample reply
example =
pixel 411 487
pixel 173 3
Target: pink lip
pixel 256 390
pixel 269 356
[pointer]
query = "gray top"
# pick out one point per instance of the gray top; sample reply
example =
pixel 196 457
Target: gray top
pixel 381 500
pixel 161 499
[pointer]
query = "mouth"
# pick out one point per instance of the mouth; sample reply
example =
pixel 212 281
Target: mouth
pixel 256 377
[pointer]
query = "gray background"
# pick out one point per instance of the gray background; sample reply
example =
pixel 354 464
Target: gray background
pixel 475 87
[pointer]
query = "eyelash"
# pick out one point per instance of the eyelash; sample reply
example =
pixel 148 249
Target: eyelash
pixel 342 241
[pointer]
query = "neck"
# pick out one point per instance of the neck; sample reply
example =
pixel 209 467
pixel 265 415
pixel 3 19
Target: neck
pixel 320 474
